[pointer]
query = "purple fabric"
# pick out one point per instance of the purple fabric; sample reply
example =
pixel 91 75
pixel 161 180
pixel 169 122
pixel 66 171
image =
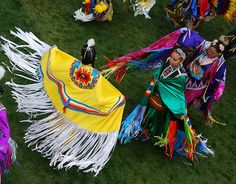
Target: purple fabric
pixel 214 77
pixel 190 38
pixel 193 94
pixel 219 91
pixel 4 133
pixel 216 86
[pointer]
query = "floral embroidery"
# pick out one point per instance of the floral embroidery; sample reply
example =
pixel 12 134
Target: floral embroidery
pixel 84 77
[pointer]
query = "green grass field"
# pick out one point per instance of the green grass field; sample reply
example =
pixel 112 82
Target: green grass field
pixel 137 162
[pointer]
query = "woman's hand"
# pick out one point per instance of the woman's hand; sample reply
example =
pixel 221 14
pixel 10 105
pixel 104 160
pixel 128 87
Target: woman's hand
pixel 182 117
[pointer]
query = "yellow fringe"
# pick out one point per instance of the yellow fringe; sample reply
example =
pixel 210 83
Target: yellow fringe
pixel 101 7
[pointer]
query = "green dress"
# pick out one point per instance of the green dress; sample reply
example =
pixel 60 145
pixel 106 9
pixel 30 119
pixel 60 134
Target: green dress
pixel 166 100
pixel 158 116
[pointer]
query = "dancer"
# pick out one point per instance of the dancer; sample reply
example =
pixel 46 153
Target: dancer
pixel 205 82
pixel 206 77
pixel 100 10
pixel 82 110
pixel 162 113
pixel 193 14
pixel 7 145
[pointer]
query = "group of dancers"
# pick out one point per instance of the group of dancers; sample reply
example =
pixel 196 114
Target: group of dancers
pixel 76 114
pixel 190 13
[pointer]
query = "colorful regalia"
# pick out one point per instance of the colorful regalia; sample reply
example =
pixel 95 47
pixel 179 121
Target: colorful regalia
pixel 78 111
pixel 7 145
pixel 205 84
pixel 206 80
pixel 99 10
pixel 142 7
pixel 206 76
pixel 158 115
pixel 192 13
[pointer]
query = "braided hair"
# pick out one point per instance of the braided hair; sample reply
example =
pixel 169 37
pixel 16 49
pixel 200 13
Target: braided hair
pixel 88 53
pixel 230 50
pixel 1 90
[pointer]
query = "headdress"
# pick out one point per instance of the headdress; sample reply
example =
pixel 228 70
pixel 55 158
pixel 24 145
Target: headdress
pixel 181 52
pixel 90 43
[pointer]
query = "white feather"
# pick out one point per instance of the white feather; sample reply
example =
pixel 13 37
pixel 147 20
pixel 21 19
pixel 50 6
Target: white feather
pixel 91 42
pixel 224 40
pixel 2 72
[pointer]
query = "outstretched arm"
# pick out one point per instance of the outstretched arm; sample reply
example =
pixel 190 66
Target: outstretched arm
pixel 4 131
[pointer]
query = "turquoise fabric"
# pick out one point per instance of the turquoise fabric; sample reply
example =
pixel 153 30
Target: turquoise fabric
pixel 171 92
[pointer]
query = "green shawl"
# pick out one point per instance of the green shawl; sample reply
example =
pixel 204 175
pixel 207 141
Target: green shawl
pixel 171 92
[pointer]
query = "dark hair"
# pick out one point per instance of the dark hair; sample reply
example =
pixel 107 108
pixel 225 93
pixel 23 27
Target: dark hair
pixel 88 55
pixel 1 90
pixel 230 51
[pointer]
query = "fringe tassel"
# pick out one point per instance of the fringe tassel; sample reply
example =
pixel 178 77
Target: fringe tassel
pixel 31 99
pixel 66 144
pixel 20 61
pixel 185 143
pixel 131 126
pixel 142 7
pixel 191 140
pixel 79 15
pixel 13 146
pixel 202 146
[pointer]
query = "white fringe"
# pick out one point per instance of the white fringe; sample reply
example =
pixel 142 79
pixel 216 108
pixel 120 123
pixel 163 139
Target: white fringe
pixel 67 145
pixel 31 99
pixel 142 8
pixel 79 15
pixel 20 61
pixel 2 72
pixel 57 138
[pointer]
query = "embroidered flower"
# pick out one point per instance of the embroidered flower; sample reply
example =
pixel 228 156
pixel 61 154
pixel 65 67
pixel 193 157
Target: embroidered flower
pixel 83 76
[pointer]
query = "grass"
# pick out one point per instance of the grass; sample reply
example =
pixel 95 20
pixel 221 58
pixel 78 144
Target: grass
pixel 137 162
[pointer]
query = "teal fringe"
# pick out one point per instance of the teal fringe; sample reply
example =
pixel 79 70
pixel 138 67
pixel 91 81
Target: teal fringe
pixel 131 126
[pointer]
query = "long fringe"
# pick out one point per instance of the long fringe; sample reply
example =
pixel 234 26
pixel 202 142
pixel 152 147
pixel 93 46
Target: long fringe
pixel 185 143
pixel 14 147
pixel 66 144
pixel 19 60
pixel 31 99
pixel 142 7
pixel 79 15
pixel 57 138
pixel 139 59
pixel 131 126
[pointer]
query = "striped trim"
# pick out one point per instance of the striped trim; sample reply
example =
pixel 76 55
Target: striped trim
pixel 155 102
pixel 150 87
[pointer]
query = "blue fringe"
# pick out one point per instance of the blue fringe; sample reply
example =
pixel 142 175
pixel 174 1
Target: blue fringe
pixel 152 61
pixel 131 126
pixel 180 138
pixel 202 146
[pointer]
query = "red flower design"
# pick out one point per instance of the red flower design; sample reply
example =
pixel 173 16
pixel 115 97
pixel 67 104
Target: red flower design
pixel 83 76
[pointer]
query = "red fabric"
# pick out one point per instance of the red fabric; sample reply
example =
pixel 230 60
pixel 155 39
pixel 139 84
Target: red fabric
pixel 155 102
pixel 87 7
pixel 171 136
pixel 204 7
pixel 165 42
